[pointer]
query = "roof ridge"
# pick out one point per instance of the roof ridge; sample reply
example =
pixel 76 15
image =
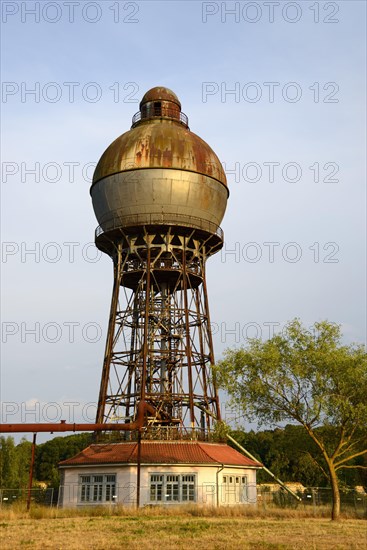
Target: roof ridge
pixel 157 452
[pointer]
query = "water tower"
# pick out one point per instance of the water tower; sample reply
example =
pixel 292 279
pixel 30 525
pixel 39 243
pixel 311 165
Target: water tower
pixel 159 194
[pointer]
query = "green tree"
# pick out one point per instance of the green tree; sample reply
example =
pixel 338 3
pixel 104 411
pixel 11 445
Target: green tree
pixel 8 463
pixel 14 463
pixel 50 453
pixel 23 454
pixel 310 378
pixel 287 452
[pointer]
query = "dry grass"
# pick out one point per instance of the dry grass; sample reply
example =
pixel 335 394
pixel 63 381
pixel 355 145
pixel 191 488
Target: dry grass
pixel 170 528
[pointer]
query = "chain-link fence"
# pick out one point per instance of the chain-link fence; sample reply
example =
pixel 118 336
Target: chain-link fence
pixel 351 500
pixel 44 496
pixel 265 497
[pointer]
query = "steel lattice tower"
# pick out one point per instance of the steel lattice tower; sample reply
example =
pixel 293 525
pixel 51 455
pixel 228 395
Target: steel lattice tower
pixel 159 193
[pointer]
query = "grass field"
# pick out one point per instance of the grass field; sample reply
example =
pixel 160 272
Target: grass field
pixel 190 528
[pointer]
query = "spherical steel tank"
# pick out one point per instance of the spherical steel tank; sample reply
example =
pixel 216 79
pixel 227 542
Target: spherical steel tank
pixel 159 172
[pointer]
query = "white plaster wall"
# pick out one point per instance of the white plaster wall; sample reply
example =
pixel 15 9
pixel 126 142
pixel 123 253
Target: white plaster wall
pixel 206 489
pixel 236 492
pixel 204 474
pixel 126 484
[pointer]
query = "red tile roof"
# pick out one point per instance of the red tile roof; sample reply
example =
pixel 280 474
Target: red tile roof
pixel 161 452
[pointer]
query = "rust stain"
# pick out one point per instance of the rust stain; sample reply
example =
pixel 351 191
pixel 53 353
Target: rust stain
pixel 160 142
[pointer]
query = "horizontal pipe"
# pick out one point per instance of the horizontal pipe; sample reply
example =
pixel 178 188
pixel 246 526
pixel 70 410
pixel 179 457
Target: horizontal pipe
pixel 143 407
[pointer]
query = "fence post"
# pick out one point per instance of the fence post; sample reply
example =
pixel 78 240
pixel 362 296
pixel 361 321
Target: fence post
pixel 31 472
pixel 314 501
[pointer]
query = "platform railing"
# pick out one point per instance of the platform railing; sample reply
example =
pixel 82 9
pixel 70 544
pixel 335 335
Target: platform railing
pixel 114 222
pixel 166 113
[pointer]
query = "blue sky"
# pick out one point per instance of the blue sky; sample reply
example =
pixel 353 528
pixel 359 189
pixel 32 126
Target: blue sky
pixel 311 132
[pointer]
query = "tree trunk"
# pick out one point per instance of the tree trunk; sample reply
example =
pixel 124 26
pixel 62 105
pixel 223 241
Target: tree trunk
pixel 335 512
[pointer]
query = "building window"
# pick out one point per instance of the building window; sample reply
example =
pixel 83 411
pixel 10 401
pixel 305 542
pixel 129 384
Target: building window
pixel 95 489
pixel 110 485
pixel 172 487
pixel 157 108
pixel 156 487
pixel 244 489
pixel 188 488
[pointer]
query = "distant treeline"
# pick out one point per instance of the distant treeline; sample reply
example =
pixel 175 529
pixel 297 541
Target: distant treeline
pixel 15 459
pixel 290 454
pixel 287 452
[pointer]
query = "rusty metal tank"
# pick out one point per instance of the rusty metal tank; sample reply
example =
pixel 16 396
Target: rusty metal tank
pixel 159 172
